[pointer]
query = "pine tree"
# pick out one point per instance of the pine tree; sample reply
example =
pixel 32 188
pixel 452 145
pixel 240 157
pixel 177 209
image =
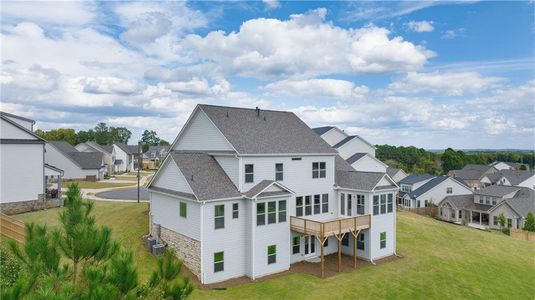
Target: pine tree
pixel 164 278
pixel 529 223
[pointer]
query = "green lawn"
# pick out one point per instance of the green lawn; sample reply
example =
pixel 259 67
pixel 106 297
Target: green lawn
pixel 129 178
pixel 441 261
pixel 96 184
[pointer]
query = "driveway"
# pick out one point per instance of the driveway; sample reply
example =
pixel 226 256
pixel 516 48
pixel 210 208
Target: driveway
pixel 124 194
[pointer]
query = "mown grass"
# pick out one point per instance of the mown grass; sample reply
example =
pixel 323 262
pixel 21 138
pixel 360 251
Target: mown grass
pixel 441 261
pixel 96 184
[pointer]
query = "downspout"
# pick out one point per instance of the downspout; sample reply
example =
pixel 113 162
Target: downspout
pixel 395 233
pixel 202 242
pixel 253 236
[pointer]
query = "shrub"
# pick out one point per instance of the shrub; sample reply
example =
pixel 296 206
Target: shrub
pixel 9 269
pixel 529 224
pixel 506 230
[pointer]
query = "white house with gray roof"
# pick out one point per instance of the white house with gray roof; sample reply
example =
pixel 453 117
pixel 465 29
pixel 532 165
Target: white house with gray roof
pixel 433 191
pixel 75 164
pixel 124 157
pixel 106 150
pixel 248 192
pixel 511 178
pixel 483 208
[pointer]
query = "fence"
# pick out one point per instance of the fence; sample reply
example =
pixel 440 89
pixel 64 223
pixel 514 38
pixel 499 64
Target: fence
pixel 523 235
pixel 12 228
pixel 425 211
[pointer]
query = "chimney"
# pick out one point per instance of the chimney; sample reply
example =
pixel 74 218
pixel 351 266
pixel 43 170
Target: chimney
pixel 257 112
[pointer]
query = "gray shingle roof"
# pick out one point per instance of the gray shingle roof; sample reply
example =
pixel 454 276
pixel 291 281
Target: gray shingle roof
pixel 497 190
pixel 391 171
pixel 344 141
pixel 522 205
pixel 255 190
pixel 322 130
pixel 270 132
pixel 473 172
pixel 172 192
pixel 341 165
pixel 85 160
pixel 130 149
pixel 494 177
pixel 156 149
pixel 466 202
pixel 3 113
pixel 204 175
pixel 427 186
pixel 516 177
pixel 414 178
pixel 358 180
pixel 355 157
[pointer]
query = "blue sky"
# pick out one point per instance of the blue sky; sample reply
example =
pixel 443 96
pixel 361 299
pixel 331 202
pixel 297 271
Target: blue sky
pixel 429 74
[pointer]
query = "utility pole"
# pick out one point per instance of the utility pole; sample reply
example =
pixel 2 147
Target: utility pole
pixel 139 161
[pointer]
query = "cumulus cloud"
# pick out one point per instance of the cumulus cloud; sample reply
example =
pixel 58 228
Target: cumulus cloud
pixel 341 89
pixel 452 33
pixel 452 83
pixel 110 85
pixel 275 48
pixel 72 13
pixel 420 26
pixel 271 4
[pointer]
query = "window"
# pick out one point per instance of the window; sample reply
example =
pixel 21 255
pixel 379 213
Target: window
pixel 272 254
pixel 390 203
pixel 260 214
pixel 342 204
pixel 296 245
pixel 509 223
pixel 235 210
pixel 282 211
pixel 317 204
pixel 460 214
pixel 183 209
pixel 375 204
pixel 382 240
pixel 308 206
pixel 360 204
pixel 493 200
pixel 481 200
pixel 383 204
pixel 272 212
pixel 325 203
pixel 449 190
pixel 219 214
pixel 487 200
pixel 249 173
pixel 495 220
pixel 345 240
pixel 418 203
pixel 279 172
pixel 299 206
pixel 425 203
pixel 406 188
pixel 318 170
pixel 219 261
pixel 349 197
pixel 360 241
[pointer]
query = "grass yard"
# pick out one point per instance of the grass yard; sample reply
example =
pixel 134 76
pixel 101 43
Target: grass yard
pixel 441 261
pixel 96 185
pixel 129 178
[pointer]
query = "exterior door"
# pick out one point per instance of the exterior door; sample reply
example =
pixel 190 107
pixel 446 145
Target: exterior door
pixel 310 245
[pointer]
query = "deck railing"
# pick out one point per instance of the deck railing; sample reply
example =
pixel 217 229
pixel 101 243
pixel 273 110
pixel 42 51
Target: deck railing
pixel 329 228
pixel 12 228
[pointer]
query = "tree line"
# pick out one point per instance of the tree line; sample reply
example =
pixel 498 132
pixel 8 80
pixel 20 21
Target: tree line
pixel 102 134
pixel 419 160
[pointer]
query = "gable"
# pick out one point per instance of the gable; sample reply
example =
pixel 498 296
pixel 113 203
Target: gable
pixel 385 181
pixel 333 136
pixel 355 145
pixel 26 123
pixel 10 131
pixel 199 133
pixel 441 189
pixel 170 177
pixel 369 164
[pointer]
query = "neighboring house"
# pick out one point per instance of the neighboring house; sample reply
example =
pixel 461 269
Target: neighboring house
pixel 396 174
pixel 365 162
pixel 472 174
pixel 347 145
pixel 124 157
pixel 412 182
pixel 245 192
pixel 483 208
pixel 501 165
pixel 517 178
pixel 157 153
pixel 75 164
pixel 23 173
pixel 434 191
pixel 106 150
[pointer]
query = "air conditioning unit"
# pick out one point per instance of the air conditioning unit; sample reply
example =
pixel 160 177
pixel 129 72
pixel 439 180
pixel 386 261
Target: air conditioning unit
pixel 151 241
pixel 158 249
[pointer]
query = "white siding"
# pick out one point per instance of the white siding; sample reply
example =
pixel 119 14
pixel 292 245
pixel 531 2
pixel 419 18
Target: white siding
pixel 165 210
pixel 356 145
pixel 382 223
pixel 502 166
pixel 71 170
pixel 508 213
pixel 170 177
pixel 399 175
pixel 25 124
pixel 229 164
pixel 529 183
pixel 334 136
pixel 120 154
pixel 438 193
pixel 201 134
pixel 22 172
pixel 10 131
pixel 369 164
pixel 384 182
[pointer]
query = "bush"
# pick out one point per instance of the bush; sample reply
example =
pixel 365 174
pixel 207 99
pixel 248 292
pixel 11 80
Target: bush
pixel 529 223
pixel 506 230
pixel 9 269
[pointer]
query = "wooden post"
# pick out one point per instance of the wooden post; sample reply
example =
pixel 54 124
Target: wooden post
pixel 340 246
pixel 322 258
pixel 355 243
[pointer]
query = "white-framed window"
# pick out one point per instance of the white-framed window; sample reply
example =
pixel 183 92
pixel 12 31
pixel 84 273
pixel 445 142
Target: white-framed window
pixel 296 245
pixel 317 204
pixel 325 203
pixel 360 241
pixel 235 210
pixel 272 254
pixel 308 205
pixel 219 261
pixel 383 204
pixel 219 216
pixel 494 201
pixel 299 206
pixel 342 203
pixel 382 240
pixel 406 188
pixel 375 204
pixel 279 172
pixel 272 212
pixel 349 204
pixel 260 214
pixel 449 190
pixel 318 170
pixel 390 203
pixel 282 211
pixel 360 204
pixel 184 210
pixel 249 173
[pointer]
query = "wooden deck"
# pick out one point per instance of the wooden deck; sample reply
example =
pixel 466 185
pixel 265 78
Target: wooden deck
pixel 330 228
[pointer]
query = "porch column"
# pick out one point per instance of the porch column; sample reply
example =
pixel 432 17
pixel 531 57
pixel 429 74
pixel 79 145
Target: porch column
pixel 480 218
pixel 340 246
pixel 60 198
pixel 322 257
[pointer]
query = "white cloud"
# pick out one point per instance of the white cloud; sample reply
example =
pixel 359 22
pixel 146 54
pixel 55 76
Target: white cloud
pixel 271 4
pixel 453 84
pixel 110 85
pixel 73 13
pixel 420 26
pixel 341 89
pixel 275 48
pixel 452 33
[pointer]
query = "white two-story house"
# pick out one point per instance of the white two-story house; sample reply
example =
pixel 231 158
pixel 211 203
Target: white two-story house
pixel 248 192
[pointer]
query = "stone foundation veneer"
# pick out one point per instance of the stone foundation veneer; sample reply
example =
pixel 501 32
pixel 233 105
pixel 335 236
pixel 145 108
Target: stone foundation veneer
pixel 11 208
pixel 186 248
